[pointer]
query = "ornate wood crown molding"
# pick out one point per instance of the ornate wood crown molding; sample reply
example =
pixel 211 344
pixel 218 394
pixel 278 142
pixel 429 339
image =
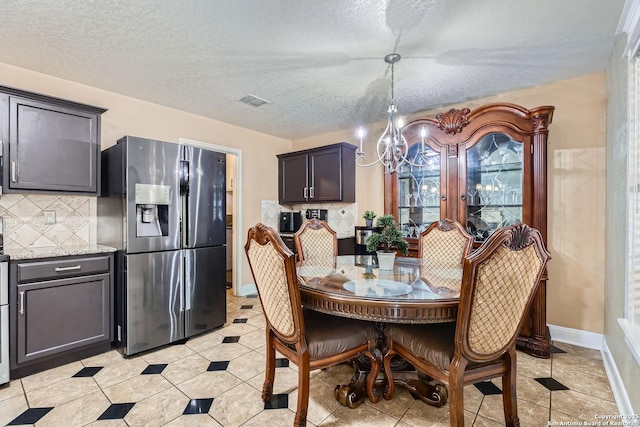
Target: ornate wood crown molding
pixel 539 123
pixel 453 121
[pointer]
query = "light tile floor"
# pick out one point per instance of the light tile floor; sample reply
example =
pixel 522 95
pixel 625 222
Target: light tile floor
pixel 215 380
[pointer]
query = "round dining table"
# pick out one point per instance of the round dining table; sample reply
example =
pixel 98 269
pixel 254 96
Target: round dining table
pixel 354 286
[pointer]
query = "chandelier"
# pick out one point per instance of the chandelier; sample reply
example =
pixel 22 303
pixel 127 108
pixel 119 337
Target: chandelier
pixel 392 147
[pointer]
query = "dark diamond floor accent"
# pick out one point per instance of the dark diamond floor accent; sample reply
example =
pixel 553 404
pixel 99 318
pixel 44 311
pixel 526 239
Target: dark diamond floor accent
pixel 551 384
pixel 488 388
pixel 252 296
pixel 154 369
pixel 87 372
pixel 246 307
pixel 557 350
pixel 218 366
pixel 198 406
pixel 278 401
pixel 282 363
pixel 228 340
pixel 116 411
pixel 30 416
pixel 239 320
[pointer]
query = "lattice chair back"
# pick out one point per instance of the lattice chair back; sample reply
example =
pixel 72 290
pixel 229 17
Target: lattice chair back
pixel 316 240
pixel 273 268
pixel 442 248
pixel 499 282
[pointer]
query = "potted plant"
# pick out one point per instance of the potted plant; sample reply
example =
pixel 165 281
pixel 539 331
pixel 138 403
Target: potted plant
pixel 368 218
pixel 387 241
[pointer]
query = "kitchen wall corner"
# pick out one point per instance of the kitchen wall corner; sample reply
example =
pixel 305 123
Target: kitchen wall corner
pixel 24 224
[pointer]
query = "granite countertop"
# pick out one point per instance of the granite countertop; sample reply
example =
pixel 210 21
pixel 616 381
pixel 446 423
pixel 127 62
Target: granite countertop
pixel 55 251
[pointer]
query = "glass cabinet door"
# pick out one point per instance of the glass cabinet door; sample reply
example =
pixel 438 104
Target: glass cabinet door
pixel 419 191
pixel 493 184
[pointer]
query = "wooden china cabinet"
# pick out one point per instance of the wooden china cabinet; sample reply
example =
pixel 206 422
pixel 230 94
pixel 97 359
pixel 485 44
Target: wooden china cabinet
pixel 485 168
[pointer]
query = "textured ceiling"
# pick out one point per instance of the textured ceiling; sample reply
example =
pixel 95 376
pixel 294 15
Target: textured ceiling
pixel 319 62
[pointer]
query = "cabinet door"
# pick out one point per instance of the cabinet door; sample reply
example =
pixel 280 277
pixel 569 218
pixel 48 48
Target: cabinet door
pixel 60 315
pixel 293 176
pixel 52 148
pixel 494 190
pixel 418 191
pixel 325 175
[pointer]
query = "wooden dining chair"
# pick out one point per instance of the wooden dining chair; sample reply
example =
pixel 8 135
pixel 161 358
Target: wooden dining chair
pixel 315 240
pixel 498 284
pixel 441 249
pixel 310 339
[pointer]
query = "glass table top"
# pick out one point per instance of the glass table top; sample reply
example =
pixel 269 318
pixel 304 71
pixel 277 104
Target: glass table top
pixel 359 276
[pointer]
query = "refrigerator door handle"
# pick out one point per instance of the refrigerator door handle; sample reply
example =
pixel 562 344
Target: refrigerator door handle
pixel 189 279
pixel 184 177
pixel 187 294
pixel 184 192
pixel 185 285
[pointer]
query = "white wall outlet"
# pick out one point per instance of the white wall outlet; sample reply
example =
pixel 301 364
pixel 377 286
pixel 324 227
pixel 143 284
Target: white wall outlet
pixel 49 217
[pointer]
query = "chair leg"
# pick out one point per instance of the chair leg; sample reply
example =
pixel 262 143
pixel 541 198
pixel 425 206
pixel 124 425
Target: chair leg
pixel 390 386
pixel 300 419
pixel 270 370
pixel 456 394
pixel 509 398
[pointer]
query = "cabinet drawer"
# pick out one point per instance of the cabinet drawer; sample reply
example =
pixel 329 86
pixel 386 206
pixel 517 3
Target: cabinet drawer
pixel 44 270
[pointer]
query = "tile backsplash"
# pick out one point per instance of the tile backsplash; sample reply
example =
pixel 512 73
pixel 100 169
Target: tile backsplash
pixel 340 216
pixel 24 222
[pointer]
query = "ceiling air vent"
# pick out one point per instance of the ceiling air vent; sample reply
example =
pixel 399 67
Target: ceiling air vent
pixel 254 100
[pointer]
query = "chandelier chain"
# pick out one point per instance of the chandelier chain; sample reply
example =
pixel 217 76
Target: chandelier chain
pixel 392 84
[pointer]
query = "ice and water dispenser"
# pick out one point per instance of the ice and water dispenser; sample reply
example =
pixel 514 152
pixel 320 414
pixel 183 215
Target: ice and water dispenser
pixel 152 210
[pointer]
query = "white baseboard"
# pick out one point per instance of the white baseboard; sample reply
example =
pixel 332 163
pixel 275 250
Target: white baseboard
pixel 576 337
pixel 617 386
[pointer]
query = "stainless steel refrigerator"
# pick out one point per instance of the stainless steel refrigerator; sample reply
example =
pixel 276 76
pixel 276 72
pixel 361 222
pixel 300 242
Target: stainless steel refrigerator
pixel 163 207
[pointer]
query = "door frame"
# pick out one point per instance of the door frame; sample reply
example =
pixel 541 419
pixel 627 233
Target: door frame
pixel 236 212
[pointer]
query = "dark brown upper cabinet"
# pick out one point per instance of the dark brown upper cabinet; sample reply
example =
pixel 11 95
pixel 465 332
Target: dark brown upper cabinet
pixel 318 175
pixel 49 145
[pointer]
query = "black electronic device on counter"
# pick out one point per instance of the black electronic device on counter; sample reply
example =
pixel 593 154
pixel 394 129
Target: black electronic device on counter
pixel 290 222
pixel 321 214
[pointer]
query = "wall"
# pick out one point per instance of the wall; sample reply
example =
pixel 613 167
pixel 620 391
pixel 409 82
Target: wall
pixel 130 116
pixel 616 231
pixel 24 224
pixel 576 172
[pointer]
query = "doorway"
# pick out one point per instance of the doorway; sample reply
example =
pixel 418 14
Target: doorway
pixel 234 214
pixel 230 187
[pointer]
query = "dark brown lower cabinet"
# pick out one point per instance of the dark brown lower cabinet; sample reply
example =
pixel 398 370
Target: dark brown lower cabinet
pixel 63 310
